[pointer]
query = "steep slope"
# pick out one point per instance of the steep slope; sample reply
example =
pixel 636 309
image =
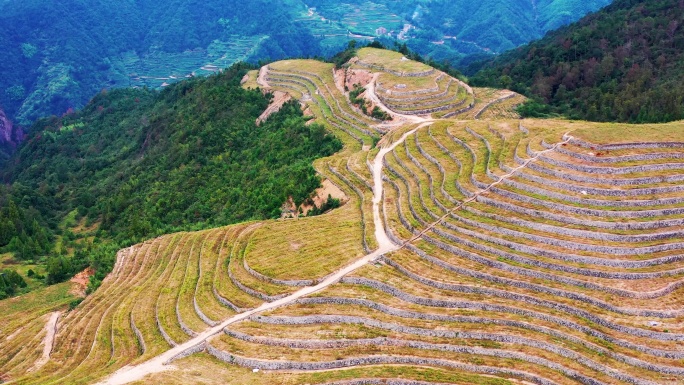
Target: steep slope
pixel 624 63
pixel 10 136
pixel 472 251
pixel 139 163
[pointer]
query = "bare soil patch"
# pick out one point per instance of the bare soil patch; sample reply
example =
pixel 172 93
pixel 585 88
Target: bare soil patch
pixel 321 195
pixel 279 98
pixel 80 282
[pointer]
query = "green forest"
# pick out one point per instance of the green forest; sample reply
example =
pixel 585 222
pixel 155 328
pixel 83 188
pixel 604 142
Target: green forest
pixel 625 63
pixel 137 163
pixel 476 29
pixel 58 54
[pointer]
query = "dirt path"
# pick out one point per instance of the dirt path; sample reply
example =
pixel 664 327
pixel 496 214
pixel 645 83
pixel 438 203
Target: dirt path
pixel 400 119
pixel 261 79
pixel 161 362
pixel 567 139
pixel 385 245
pixel 279 99
pixel 48 341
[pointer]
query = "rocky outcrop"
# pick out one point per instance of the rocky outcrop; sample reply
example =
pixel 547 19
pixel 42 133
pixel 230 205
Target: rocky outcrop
pixel 10 135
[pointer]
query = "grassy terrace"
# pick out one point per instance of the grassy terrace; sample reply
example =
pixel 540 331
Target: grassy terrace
pixel 531 280
pixel 390 60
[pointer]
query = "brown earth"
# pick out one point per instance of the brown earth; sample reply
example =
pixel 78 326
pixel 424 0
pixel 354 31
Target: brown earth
pixel 321 195
pixel 80 282
pixel 279 98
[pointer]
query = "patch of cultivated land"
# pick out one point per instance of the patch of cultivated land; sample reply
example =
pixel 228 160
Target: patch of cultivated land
pixel 473 249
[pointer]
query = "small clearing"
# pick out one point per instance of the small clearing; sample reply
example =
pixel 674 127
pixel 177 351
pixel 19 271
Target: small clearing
pixel 327 188
pixel 346 79
pixel 279 98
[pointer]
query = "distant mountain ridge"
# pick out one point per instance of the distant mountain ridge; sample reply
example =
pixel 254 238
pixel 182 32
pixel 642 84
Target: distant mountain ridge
pixel 57 55
pixel 623 63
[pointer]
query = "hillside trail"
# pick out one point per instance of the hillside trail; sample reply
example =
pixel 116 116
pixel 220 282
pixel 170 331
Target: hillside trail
pixel 261 79
pixel 163 361
pixel 48 341
pixel 403 119
pixel 385 245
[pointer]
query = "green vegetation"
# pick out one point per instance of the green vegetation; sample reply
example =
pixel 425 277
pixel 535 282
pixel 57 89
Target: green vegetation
pixel 604 67
pixel 139 163
pixel 57 55
pixel 329 204
pixel 10 281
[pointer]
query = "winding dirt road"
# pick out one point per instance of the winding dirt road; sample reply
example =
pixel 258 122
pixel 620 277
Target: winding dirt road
pixel 385 245
pixel 161 362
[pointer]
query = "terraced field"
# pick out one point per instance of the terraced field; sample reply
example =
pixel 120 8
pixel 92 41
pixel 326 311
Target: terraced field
pixel 472 250
pixel 409 88
pixel 159 68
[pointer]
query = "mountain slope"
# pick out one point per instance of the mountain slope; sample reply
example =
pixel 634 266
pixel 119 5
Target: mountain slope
pixel 625 63
pixel 56 55
pixel 137 163
pixel 499 252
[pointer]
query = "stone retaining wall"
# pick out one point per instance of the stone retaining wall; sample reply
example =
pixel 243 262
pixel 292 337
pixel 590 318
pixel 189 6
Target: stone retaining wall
pixel 499 100
pixel 361 202
pixel 138 336
pixel 372 360
pixel 201 314
pixel 202 346
pixel 163 332
pixel 182 324
pixel 412 344
pixel 290 283
pixel 396 73
pixel 587 211
pixel 617 159
pixel 553 332
pixel 226 303
pixel 624 146
pixel 456 304
pixel 609 181
pixel 613 170
pixel 440 95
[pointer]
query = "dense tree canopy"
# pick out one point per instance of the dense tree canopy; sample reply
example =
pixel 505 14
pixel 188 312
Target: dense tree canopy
pixel 624 63
pixel 142 163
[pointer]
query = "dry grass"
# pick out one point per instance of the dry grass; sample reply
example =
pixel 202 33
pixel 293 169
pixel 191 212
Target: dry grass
pixel 251 81
pixel 302 248
pixel 390 60
pixel 167 275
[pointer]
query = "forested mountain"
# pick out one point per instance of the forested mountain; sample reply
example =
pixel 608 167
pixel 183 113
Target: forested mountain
pixel 135 163
pixel 447 29
pixel 57 54
pixel 624 63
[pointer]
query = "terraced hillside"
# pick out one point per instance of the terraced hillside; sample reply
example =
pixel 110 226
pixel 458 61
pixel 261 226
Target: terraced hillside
pixel 474 249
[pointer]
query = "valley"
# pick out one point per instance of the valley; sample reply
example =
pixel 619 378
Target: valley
pixel 475 247
pixel 74 50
